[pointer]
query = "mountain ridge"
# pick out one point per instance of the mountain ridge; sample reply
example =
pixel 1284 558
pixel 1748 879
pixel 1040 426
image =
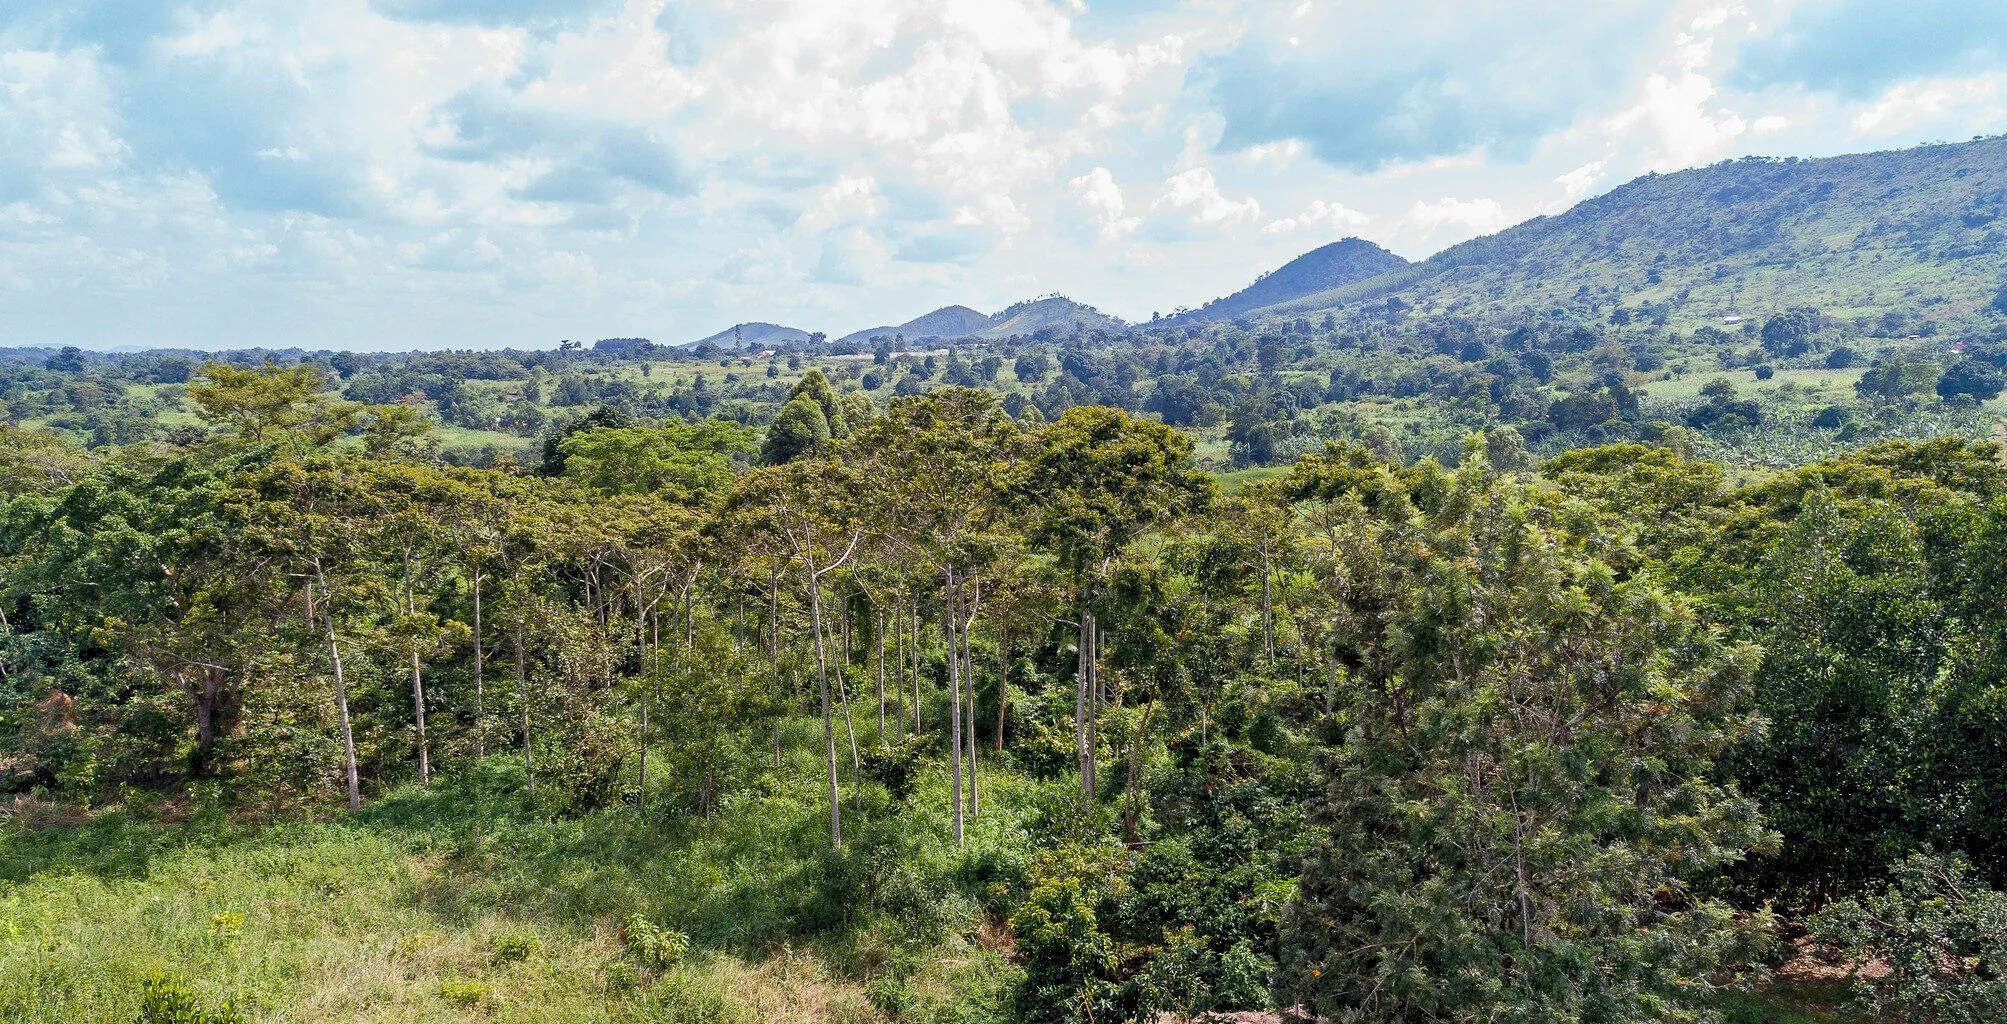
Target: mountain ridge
pixel 1860 232
pixel 1334 265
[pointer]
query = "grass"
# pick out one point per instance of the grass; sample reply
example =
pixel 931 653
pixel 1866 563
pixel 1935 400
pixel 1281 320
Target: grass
pixel 1838 384
pixel 465 903
pixel 1788 1003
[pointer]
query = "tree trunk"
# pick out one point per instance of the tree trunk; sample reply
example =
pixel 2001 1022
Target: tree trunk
pixel 968 655
pixel 773 652
pixel 1267 613
pixel 341 691
pixel 1084 704
pixel 951 621
pixel 1003 673
pixel 881 676
pixel 480 678
pixel 647 668
pixel 523 693
pixel 417 680
pixel 822 686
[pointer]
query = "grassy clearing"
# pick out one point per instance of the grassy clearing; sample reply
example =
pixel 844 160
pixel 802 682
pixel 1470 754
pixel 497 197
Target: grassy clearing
pixel 1839 384
pixel 468 904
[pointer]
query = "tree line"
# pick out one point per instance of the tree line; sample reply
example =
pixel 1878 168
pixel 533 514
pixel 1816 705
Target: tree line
pixel 1382 740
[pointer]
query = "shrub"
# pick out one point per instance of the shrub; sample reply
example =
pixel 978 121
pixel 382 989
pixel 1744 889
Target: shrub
pixel 1941 936
pixel 893 997
pixel 513 947
pixel 463 992
pixel 653 946
pixel 164 1000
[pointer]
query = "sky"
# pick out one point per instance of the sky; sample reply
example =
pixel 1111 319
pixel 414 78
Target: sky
pixel 395 174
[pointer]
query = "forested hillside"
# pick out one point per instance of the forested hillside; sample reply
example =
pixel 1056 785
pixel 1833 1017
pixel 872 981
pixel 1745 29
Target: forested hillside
pixel 928 712
pixel 1861 235
pixel 1332 266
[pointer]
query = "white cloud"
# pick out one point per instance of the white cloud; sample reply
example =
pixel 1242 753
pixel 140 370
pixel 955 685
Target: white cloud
pixel 1197 194
pixel 1578 182
pixel 1281 153
pixel 1319 215
pixel 1674 113
pixel 330 174
pixel 1467 217
pixel 851 199
pixel 1912 103
pixel 1097 191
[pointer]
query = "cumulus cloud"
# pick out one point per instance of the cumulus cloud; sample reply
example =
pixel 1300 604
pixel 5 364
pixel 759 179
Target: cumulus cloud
pixel 1464 217
pixel 1196 194
pixel 396 172
pixel 1578 182
pixel 1319 215
pixel 1097 191
pixel 1983 97
pixel 1684 128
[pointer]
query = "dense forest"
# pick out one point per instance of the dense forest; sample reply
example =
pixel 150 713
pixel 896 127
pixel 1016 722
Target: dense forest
pixel 964 703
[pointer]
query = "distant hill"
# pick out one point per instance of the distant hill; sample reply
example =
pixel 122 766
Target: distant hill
pixel 1856 235
pixel 1056 312
pixel 1340 263
pixel 753 335
pixel 946 322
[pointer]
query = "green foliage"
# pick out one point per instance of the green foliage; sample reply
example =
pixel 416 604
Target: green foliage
pixel 513 947
pixel 689 464
pixel 1896 379
pixel 1520 820
pixel 1930 947
pixel 1069 958
pixel 1971 378
pixel 657 948
pixel 801 428
pixel 164 1000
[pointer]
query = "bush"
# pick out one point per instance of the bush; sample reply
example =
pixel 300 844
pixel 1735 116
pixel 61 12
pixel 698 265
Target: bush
pixel 1940 933
pixel 513 947
pixel 1765 372
pixel 164 1000
pixel 463 992
pixel 893 997
pixel 896 767
pixel 653 946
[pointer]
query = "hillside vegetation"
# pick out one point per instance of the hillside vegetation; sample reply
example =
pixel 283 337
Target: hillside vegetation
pixel 1332 266
pixel 1857 235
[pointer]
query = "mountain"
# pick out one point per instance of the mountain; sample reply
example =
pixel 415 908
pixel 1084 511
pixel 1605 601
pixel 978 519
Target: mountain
pixel 1340 263
pixel 753 335
pixel 946 322
pixel 1056 312
pixel 1863 234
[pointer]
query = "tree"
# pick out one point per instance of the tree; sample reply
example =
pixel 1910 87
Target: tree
pixel 1100 479
pixel 945 463
pixel 806 507
pixel 1521 809
pixel 686 463
pixel 271 402
pixel 799 430
pixel 1971 378
pixel 1893 380
pixel 1790 333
